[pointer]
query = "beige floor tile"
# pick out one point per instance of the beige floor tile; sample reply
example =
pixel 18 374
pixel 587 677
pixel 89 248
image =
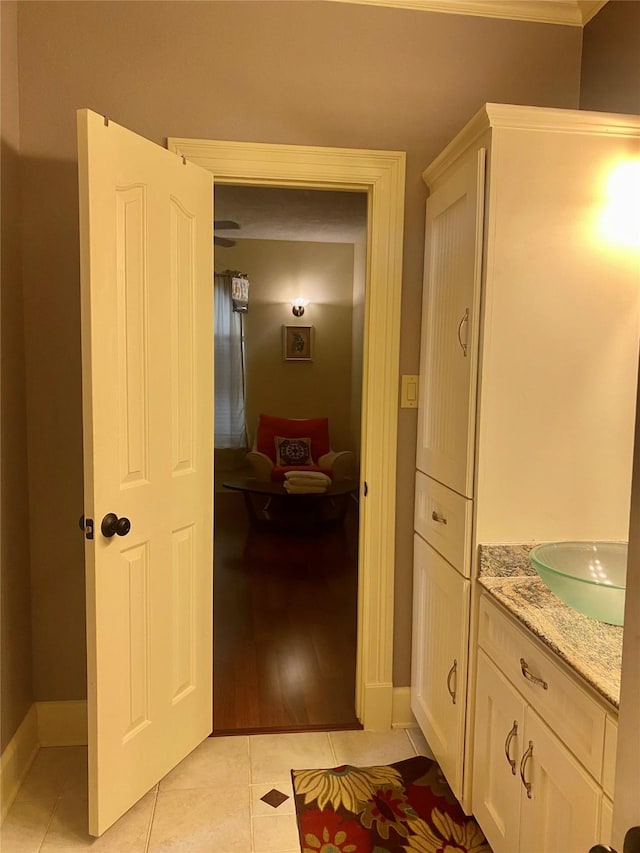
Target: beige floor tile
pixel 202 820
pixel 274 833
pixel 68 830
pixel 25 825
pixel 49 773
pixel 419 742
pixel 366 749
pixel 262 809
pixel 75 782
pixel 274 756
pixel 217 761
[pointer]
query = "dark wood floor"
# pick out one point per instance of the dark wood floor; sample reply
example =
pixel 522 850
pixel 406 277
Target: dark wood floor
pixel 285 606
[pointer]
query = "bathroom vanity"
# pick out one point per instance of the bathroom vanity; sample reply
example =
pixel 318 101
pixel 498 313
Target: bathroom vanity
pixel 529 357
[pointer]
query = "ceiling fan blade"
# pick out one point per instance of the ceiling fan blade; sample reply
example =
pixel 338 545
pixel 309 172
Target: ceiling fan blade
pixel 225 224
pixel 222 241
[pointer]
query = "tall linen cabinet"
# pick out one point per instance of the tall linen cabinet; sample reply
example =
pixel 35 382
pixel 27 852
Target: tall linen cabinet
pixel 529 358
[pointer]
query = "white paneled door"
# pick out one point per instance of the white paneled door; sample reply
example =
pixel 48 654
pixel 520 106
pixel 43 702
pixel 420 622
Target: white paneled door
pixel 146 220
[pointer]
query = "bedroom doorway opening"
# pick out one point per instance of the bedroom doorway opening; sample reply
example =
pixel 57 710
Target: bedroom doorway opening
pixel 286 586
pixel 381 175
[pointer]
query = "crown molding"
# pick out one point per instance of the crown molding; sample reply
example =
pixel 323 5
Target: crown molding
pixel 515 117
pixel 574 13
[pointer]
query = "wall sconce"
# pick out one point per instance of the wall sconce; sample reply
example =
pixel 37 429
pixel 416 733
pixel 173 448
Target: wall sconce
pixel 298 305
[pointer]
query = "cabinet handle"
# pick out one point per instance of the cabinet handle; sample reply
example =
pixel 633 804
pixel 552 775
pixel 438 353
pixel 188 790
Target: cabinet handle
pixel 523 765
pixel 465 319
pixel 452 672
pixel 439 518
pixel 524 666
pixel 507 744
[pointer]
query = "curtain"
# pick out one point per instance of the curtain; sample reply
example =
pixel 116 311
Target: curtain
pixel 230 427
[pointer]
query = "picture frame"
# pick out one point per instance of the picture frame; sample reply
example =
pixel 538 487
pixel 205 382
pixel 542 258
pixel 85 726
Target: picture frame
pixel 297 343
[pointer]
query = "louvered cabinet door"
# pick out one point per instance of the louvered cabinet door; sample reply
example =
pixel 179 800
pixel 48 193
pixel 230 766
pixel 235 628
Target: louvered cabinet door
pixel 450 326
pixel 439 657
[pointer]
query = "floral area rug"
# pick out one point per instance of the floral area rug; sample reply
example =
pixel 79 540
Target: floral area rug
pixel 405 807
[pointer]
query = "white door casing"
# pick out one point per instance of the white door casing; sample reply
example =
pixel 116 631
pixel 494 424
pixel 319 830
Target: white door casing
pixel 381 174
pixel 146 222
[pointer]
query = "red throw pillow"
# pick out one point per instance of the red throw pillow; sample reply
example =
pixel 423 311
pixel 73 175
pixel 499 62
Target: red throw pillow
pixel 317 429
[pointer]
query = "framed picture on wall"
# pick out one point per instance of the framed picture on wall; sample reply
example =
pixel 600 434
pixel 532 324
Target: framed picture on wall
pixel 296 343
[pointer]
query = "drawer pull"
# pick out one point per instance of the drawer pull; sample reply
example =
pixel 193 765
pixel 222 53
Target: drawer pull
pixel 452 672
pixel 507 745
pixel 524 666
pixel 439 518
pixel 523 765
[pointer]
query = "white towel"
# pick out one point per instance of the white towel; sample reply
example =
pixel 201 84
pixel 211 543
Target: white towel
pixel 312 484
pixel 307 475
pixel 305 489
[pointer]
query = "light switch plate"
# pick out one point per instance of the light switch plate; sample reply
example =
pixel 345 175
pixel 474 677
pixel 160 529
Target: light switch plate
pixel 409 392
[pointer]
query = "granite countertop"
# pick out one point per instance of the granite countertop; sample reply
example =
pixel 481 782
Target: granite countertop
pixel 591 648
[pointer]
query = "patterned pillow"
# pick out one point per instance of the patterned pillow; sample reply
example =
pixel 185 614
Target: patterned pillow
pixel 293 451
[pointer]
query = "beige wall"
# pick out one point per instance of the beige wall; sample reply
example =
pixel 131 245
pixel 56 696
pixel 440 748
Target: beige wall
pixel 610 80
pixel 15 592
pixel 278 271
pixel 313 73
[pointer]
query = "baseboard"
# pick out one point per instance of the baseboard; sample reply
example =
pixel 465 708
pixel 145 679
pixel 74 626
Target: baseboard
pixel 401 713
pixel 17 758
pixel 62 723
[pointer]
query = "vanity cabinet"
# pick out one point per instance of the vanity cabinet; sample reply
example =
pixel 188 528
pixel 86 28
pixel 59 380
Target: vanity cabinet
pixel 519 282
pixel 537 785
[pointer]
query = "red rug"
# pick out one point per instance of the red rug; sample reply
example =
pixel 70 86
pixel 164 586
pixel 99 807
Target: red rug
pixel 405 807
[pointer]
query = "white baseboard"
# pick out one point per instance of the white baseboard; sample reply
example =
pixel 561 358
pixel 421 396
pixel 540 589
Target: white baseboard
pixel 17 758
pixel 62 723
pixel 401 713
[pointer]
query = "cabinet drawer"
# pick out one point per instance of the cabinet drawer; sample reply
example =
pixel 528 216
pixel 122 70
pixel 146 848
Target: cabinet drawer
pixel 572 714
pixel 443 519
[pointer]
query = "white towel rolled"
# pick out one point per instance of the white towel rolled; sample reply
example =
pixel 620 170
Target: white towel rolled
pixel 311 476
pixel 304 488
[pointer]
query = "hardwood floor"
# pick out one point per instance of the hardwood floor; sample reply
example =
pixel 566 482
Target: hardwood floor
pixel 285 607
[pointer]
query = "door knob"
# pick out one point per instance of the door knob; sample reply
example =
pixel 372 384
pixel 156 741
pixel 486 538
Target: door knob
pixel 112 525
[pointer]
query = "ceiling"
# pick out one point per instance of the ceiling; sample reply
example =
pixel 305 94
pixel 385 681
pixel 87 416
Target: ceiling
pixel 281 213
pixel 575 13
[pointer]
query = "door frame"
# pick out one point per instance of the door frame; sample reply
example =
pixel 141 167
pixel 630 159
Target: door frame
pixel 381 174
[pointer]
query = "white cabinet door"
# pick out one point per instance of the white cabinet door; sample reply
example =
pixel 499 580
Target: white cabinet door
pixel 498 738
pixel 561 812
pixel 439 658
pixel 449 339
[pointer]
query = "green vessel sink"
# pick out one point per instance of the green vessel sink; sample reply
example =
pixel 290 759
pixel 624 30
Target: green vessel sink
pixel 591 577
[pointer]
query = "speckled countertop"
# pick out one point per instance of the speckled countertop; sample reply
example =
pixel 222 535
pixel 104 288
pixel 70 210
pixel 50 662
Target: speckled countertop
pixel 591 648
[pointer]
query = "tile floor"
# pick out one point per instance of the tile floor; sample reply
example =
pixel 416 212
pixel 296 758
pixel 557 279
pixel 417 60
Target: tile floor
pixel 212 802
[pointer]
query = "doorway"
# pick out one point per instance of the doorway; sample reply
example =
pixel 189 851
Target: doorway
pixel 381 174
pixel 285 590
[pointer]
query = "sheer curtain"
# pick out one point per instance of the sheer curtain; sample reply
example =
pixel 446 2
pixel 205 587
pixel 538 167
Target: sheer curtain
pixel 230 428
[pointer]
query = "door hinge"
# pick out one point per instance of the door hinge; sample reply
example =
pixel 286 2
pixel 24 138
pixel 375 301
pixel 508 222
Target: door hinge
pixel 365 488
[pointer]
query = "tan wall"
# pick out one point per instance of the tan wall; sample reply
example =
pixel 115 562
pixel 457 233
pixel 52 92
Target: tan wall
pixel 610 80
pixel 15 592
pixel 313 73
pixel 280 270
